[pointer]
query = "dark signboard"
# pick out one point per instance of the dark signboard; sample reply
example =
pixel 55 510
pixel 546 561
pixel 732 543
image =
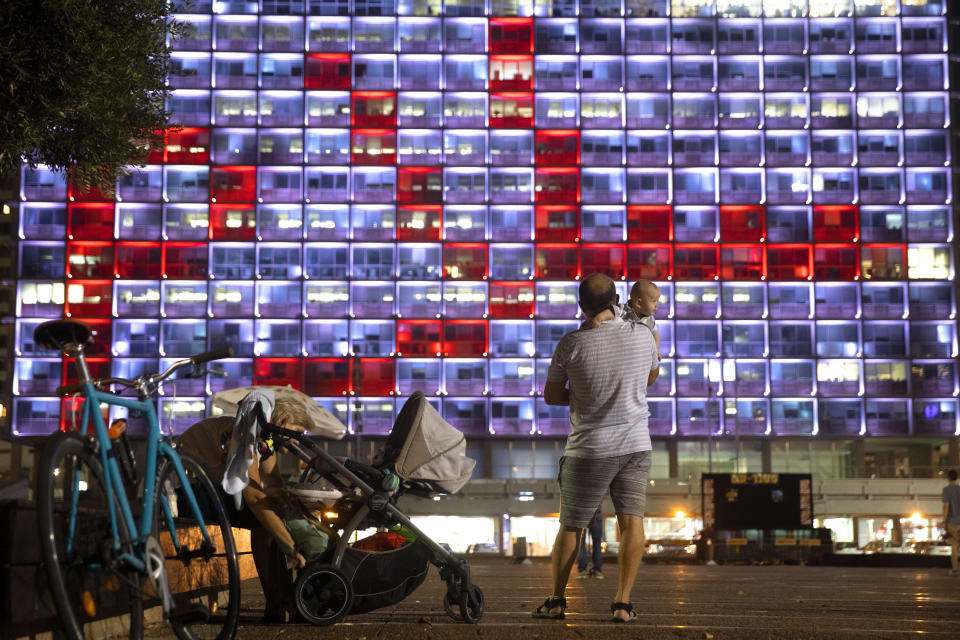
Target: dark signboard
pixel 733 501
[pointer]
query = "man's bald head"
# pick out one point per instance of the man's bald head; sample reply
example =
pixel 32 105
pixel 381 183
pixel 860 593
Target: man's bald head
pixel 597 292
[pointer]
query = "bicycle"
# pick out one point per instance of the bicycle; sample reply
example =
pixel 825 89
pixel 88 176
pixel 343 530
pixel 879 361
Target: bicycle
pixel 104 566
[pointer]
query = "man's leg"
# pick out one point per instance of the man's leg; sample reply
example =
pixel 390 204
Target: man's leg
pixel 564 555
pixel 275 579
pixel 629 494
pixel 629 557
pixel 954 531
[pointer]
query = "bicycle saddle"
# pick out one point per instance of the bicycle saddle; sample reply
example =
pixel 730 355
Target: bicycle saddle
pixel 57 334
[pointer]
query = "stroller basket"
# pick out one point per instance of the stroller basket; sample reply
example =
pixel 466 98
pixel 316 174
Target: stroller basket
pixel 383 578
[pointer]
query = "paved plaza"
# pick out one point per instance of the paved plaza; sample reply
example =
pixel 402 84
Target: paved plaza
pixel 674 601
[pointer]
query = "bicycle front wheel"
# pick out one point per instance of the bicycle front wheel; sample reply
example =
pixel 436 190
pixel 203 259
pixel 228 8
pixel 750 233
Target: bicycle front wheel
pixel 95 595
pixel 204 579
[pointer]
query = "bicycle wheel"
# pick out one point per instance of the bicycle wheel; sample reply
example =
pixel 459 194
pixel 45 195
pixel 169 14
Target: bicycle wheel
pixel 205 580
pixel 94 595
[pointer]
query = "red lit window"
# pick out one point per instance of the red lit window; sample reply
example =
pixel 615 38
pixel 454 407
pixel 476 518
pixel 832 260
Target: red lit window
pixel 511 35
pixel 511 73
pixel 234 184
pixel 835 224
pixel 465 338
pixel 189 145
pixel 511 299
pixel 138 260
pixel 882 261
pixel 560 185
pixel 90 195
pixel 184 260
pixel 649 223
pixel 373 109
pixel 90 221
pixel 374 146
pixel 649 261
pixel 419 224
pixel 465 261
pixel 90 298
pixel 603 258
pixel 421 185
pixel 102 339
pixel 277 371
pixel 374 377
pixel 742 224
pixel 99 367
pixel 742 262
pixel 557 146
pixel 557 223
pixel 836 262
pixel 695 262
pixel 90 260
pixel 511 110
pixel 789 262
pixel 557 261
pixel 233 222
pixel 71 414
pixel 157 155
pixel 328 71
pixel 419 338
pixel 326 377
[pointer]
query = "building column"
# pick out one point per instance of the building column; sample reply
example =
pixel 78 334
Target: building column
pixel 673 459
pixel 859 463
pixel 766 456
pixel 953 453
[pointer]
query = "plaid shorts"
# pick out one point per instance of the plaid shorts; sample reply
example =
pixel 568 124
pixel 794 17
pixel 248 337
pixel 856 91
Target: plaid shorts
pixel 583 481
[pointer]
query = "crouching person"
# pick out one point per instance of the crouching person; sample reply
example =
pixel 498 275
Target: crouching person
pixel 265 505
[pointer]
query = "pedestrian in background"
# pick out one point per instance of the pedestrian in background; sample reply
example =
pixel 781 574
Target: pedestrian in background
pixel 951 519
pixel 595 529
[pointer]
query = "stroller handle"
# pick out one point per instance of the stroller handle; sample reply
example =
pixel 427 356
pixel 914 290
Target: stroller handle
pixel 268 427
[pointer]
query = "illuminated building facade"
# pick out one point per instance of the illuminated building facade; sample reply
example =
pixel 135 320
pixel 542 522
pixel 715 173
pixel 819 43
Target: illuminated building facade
pixel 373 196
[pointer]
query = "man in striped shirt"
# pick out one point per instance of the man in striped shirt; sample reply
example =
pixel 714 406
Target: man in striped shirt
pixel 602 374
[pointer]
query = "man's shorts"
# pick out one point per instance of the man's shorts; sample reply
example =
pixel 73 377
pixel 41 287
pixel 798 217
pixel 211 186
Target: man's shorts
pixel 583 481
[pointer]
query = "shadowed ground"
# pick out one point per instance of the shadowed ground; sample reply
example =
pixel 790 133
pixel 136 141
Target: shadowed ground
pixel 674 601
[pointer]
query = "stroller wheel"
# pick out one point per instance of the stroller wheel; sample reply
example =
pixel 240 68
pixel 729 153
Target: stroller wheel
pixel 452 607
pixel 323 594
pixel 471 603
pixel 468 607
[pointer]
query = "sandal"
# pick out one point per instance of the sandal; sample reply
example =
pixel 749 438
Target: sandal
pixel 623 606
pixel 544 610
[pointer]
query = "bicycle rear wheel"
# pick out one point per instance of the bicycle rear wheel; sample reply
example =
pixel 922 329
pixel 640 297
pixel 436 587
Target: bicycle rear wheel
pixel 205 580
pixel 94 595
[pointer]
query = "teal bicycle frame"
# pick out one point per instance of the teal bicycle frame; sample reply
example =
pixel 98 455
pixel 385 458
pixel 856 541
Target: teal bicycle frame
pixel 156 445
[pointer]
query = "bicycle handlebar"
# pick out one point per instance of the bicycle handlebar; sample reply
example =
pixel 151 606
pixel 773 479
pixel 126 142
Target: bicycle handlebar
pixel 192 361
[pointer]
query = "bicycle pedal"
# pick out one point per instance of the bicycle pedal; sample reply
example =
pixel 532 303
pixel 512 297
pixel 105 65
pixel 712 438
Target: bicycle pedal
pixel 193 614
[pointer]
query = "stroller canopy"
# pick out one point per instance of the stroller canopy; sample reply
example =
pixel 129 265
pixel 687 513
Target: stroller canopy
pixel 324 422
pixel 423 446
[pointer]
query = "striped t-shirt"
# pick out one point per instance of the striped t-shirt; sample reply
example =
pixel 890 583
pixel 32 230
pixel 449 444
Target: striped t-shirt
pixel 607 370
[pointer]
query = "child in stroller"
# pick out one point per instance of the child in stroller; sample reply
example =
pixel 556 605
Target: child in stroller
pixel 423 455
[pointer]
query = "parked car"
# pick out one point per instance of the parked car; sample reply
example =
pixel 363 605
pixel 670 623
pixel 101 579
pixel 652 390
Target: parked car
pixel 483 547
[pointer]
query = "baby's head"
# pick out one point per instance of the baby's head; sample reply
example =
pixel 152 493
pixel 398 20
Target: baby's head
pixel 644 298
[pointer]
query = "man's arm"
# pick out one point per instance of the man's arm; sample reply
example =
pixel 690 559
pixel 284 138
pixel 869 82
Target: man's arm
pixel 556 393
pixel 946 514
pixel 654 374
pixel 263 495
pixel 655 371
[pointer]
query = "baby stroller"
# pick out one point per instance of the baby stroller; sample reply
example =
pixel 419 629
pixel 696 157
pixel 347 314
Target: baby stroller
pixel 423 456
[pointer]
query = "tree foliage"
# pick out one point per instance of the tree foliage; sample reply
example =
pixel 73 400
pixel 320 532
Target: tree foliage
pixel 83 84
